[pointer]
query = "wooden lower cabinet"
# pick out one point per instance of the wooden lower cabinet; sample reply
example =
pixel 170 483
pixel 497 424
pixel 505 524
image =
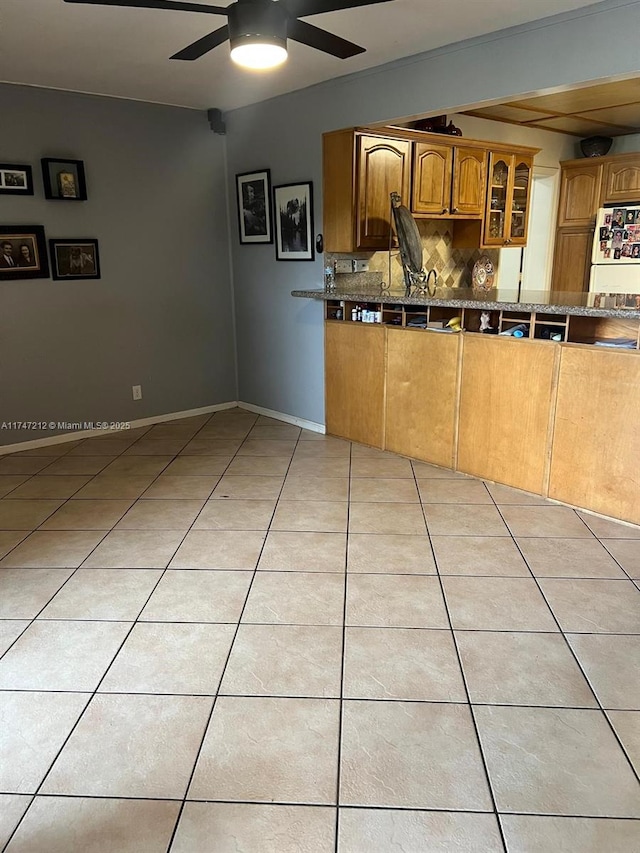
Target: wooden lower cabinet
pixel 596 440
pixel 572 260
pixel 506 400
pixel 556 420
pixel 354 381
pixel 422 394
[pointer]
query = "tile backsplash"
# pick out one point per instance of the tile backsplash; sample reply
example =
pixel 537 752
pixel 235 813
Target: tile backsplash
pixel 454 266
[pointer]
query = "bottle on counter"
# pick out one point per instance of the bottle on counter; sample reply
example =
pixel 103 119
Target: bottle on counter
pixel 330 277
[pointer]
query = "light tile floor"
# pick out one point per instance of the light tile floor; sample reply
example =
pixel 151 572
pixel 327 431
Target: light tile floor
pixel 225 633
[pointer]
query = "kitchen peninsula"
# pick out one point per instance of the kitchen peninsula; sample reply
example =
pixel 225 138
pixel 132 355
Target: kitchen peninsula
pixel 553 412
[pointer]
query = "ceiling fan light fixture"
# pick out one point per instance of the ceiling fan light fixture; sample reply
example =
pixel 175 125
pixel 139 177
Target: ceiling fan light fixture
pixel 258 34
pixel 259 52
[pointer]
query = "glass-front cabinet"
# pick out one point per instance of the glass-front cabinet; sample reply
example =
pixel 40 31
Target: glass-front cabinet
pixel 508 199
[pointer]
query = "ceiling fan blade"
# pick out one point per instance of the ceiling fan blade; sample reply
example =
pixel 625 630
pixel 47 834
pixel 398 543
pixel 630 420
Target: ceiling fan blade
pixel 156 4
pixel 203 45
pixel 321 39
pixel 304 8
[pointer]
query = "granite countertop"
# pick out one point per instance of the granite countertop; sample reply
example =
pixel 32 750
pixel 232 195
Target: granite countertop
pixel 577 304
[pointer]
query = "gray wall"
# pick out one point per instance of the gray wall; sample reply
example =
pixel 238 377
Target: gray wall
pixel 280 341
pixel 161 315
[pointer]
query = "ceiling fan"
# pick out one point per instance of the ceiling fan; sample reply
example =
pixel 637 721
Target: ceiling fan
pixel 258 29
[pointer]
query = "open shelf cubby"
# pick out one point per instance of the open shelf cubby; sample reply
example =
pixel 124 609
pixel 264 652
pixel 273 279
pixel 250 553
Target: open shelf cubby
pixel 539 326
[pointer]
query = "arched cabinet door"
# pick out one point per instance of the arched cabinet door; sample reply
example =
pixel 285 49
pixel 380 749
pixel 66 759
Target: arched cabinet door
pixel 469 181
pixel 496 220
pixel 432 169
pixel 519 202
pixel 508 199
pixel 384 166
pixel 621 182
pixel 579 195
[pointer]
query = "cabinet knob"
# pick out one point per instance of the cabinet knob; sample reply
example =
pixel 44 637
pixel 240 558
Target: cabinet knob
pixel 507 241
pixel 454 210
pixel 445 210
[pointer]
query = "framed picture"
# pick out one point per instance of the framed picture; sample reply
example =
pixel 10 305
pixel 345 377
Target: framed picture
pixel 72 259
pixel 254 207
pixel 293 207
pixel 15 180
pixel 23 252
pixel 64 179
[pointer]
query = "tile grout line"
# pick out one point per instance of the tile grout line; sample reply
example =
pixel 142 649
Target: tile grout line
pixel 359 699
pixel 292 804
pixel 616 560
pixel 635 772
pixel 464 680
pixel 343 655
pixel 229 653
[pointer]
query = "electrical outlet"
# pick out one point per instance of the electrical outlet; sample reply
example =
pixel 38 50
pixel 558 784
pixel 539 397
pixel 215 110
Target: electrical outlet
pixel 137 392
pixel 344 265
pixel 360 265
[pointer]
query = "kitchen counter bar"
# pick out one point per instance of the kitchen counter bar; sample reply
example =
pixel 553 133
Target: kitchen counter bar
pixel 570 304
pixel 552 411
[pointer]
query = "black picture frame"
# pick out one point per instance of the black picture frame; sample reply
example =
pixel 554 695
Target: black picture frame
pixel 75 259
pixel 16 179
pixel 293 218
pixel 32 263
pixel 255 213
pixel 64 180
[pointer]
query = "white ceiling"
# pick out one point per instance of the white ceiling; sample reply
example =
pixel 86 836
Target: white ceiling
pixel 125 52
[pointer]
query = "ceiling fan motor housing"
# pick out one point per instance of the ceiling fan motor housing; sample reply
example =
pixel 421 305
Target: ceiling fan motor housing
pixel 257 21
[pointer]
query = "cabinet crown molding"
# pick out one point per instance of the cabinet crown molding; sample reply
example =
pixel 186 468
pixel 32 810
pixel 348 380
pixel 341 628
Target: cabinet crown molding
pixel 444 139
pixel 629 156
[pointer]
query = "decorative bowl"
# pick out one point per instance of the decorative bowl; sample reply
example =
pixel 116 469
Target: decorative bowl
pixel 483 275
pixel 596 146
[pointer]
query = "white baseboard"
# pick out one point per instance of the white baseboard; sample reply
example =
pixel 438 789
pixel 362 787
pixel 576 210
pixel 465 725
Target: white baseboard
pixel 92 433
pixel 281 416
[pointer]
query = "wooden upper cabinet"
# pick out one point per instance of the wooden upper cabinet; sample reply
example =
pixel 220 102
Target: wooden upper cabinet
pixel 432 175
pixel 508 199
pixel 448 180
pixel 383 167
pixel 579 194
pixel 437 177
pixel 469 181
pixel 622 182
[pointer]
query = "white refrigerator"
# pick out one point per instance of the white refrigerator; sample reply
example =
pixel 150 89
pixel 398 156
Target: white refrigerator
pixel 615 259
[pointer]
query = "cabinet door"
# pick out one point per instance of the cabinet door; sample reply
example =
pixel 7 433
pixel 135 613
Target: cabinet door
pixel 572 260
pixel 495 224
pixel 469 181
pixel 508 200
pixel 421 394
pixel 432 173
pixel 621 182
pixel 354 381
pixel 519 201
pixel 579 195
pixel 384 166
pixel 505 406
pixel 596 442
pixel 338 191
